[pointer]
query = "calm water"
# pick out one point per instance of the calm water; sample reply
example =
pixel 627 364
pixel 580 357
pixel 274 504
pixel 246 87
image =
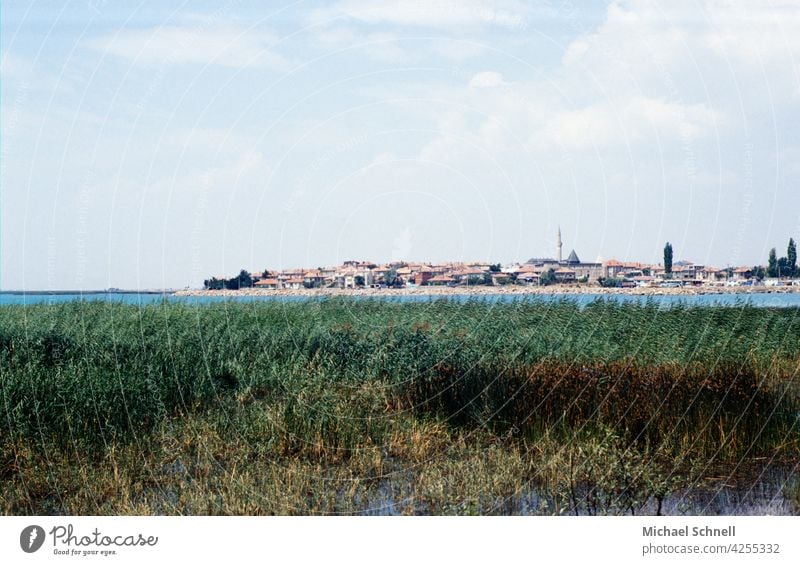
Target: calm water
pixel 757 299
pixel 764 493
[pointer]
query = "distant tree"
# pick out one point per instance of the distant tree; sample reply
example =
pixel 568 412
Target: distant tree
pixel 487 278
pixel 390 277
pixel 494 268
pixel 214 284
pixel 265 274
pixel 668 258
pixel 610 282
pixel 474 279
pixel 791 256
pixel 245 280
pixel 772 264
pixel 359 280
pixel 783 267
pixel 759 272
pixel 547 278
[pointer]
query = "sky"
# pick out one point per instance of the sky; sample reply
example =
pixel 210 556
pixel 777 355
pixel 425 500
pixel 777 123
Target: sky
pixel 157 145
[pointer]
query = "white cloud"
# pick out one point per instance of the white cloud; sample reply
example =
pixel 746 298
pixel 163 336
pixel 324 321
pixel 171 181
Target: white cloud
pixel 487 79
pixel 610 124
pixel 378 46
pixel 687 45
pixel 458 50
pixel 202 42
pixel 447 14
pixel 391 47
pixel 759 34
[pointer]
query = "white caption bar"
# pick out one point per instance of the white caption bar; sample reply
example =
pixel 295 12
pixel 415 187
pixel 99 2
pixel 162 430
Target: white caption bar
pixel 137 540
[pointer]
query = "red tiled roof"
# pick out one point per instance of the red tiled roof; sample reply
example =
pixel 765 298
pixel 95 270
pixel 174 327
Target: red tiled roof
pixel 528 269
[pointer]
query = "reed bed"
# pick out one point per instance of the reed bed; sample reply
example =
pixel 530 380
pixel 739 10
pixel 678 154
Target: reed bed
pixel 431 403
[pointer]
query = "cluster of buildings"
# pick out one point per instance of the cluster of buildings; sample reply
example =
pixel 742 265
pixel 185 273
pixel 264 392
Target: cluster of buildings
pixel 357 274
pixel 535 271
pixel 683 273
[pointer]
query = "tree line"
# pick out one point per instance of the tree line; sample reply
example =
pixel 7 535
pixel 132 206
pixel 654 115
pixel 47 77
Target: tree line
pixel 776 267
pixel 243 280
pixel 783 266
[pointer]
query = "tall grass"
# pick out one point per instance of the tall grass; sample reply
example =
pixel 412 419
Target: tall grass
pixel 95 370
pixel 342 382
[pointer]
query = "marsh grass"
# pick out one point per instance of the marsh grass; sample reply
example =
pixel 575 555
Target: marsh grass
pixel 347 406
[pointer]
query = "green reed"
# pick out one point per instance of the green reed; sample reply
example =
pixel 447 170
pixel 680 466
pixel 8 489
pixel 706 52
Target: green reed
pixel 312 405
pixel 97 370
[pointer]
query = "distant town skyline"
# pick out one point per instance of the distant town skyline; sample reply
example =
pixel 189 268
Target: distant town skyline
pixel 152 146
pixel 539 271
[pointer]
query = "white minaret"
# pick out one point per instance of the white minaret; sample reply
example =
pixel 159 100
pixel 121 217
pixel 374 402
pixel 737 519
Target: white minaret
pixel 558 244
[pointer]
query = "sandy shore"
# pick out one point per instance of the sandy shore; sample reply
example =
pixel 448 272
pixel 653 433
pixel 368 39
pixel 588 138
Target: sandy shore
pixel 494 290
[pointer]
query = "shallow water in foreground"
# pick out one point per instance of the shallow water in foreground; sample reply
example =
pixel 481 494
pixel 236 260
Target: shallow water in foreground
pixel 764 495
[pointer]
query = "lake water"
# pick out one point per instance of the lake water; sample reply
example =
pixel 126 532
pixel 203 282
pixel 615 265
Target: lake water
pixel 774 300
pixel 765 492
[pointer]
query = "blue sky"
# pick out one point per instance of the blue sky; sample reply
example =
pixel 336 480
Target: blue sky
pixel 153 146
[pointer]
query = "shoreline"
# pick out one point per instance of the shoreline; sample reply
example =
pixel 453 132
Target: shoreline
pixel 70 292
pixel 489 291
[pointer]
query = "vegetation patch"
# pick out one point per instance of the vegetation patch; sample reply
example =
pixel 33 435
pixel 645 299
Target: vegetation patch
pixel 373 406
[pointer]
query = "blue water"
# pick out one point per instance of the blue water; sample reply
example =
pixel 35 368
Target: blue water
pixel 776 300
